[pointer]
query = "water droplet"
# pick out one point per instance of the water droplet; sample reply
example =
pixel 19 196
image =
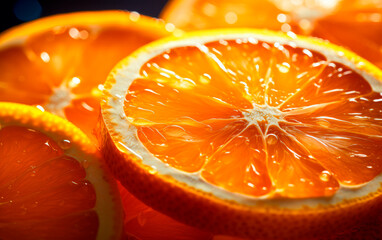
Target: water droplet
pixel 134 16
pixel 85 164
pixel 209 9
pixel 64 144
pixel 170 27
pixel 325 176
pixel 205 78
pixel 305 25
pixel 230 17
pixel 153 171
pixel 74 82
pixel 272 139
pixel 45 57
pixel 141 219
pixel 282 18
pixel 74 33
pixel 323 123
pixel 284 67
pixel 41 108
pixel 286 27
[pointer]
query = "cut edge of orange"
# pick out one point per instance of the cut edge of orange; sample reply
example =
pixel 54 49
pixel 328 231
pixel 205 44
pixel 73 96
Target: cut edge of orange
pixel 123 150
pixel 89 18
pixel 108 206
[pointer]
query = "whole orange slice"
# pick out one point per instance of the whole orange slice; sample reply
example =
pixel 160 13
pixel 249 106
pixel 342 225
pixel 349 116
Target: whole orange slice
pixel 59 63
pixel 53 184
pixel 249 133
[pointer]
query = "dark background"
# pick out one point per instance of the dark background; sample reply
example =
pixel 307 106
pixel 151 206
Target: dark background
pixel 14 12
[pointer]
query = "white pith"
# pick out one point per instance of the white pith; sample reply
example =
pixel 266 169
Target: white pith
pixel 130 143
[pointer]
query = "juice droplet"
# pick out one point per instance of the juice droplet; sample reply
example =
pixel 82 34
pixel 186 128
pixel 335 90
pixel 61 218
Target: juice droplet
pixel 325 176
pixel 272 139
pixel 64 144
pixel 284 67
pixel 85 163
pixel 141 219
pixel 153 171
pixel 323 123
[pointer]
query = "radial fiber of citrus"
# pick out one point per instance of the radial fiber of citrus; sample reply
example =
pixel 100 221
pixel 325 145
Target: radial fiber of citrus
pixel 259 119
pixel 62 67
pixel 43 192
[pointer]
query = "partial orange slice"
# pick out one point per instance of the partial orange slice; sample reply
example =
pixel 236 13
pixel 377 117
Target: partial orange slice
pixel 357 26
pixel 284 15
pixel 53 184
pixel 248 133
pixel 59 63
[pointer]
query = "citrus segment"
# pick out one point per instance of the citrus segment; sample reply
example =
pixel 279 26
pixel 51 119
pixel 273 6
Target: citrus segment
pixel 259 144
pixel 60 62
pixel 52 181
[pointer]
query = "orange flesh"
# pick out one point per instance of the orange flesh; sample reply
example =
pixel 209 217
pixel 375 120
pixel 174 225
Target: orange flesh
pixel 358 29
pixel 220 14
pixel 62 69
pixel 43 192
pixel 258 118
pixel 143 222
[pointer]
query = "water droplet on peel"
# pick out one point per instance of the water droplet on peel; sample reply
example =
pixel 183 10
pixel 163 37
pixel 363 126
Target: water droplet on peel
pixel 170 27
pixel 325 176
pixel 272 139
pixel 153 171
pixel 134 16
pixel 64 144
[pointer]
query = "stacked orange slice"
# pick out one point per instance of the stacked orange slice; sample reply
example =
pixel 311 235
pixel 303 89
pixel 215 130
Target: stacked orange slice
pixel 59 63
pixel 249 133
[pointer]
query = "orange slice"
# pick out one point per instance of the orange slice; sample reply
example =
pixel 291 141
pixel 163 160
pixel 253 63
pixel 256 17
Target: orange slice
pixel 248 133
pixel 52 182
pixel 357 26
pixel 60 62
pixel 284 15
